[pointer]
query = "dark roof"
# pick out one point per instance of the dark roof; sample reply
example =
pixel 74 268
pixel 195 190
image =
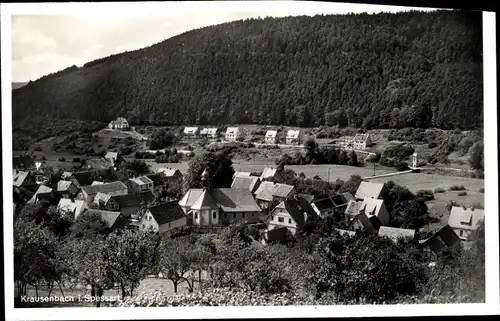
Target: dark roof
pixel 158 179
pixel 104 188
pixel 235 200
pixel 167 212
pixel 110 218
pixel 247 182
pixel 308 197
pixel 339 200
pixel 347 197
pixel 443 238
pixel 306 207
pixel 324 204
pixel 86 178
pixel 131 200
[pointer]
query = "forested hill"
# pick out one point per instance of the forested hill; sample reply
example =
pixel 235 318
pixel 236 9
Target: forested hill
pixel 410 69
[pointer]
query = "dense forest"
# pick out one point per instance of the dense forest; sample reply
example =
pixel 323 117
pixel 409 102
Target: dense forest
pixel 410 69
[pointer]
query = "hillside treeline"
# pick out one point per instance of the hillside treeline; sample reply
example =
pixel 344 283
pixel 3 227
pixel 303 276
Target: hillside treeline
pixel 410 69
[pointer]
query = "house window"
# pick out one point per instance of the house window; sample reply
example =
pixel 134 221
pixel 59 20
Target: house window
pixel 234 215
pixel 289 221
pixel 243 215
pixel 214 215
pixel 461 233
pixel 195 215
pixel 281 219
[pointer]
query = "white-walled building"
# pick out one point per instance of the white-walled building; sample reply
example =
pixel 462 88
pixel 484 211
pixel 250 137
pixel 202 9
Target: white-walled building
pixel 271 137
pixel 293 137
pixel 233 134
pixel 163 218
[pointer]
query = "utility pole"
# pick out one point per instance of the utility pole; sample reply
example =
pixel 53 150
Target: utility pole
pixel 328 174
pixel 373 168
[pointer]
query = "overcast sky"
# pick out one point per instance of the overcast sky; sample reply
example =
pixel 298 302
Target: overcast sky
pixel 51 38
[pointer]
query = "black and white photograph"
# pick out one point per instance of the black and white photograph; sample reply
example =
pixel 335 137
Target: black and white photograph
pixel 248 158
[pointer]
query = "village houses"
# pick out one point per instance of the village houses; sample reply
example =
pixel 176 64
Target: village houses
pixel 119 124
pixel 43 193
pixel 293 137
pixel 72 206
pixel 128 205
pixel 271 137
pixel 24 179
pixel 170 173
pixel 269 191
pixel 140 184
pixel 272 174
pixel 67 189
pixel 163 218
pixel 291 213
pixel 362 141
pixel 443 239
pixel 368 214
pixel 115 158
pixel 112 220
pixel 395 234
pixel 464 221
pixel 87 193
pixel 191 132
pixel 97 164
pixel 233 134
pixel 209 133
pixel 370 190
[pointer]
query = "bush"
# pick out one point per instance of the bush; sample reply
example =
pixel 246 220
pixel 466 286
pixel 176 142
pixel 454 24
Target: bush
pixel 462 193
pixel 399 151
pixel 401 166
pixel 76 160
pixel 62 159
pixel 425 195
pixel 45 158
pixel 432 145
pixel 481 190
pixel 457 188
pixel 439 190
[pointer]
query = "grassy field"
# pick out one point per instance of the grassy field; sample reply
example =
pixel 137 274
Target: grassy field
pixel 437 207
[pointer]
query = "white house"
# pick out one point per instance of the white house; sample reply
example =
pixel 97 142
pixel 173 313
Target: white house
pixel 369 189
pixel 290 214
pixel 370 207
pixel 464 221
pixel 271 137
pixel 233 134
pixel 293 137
pixel 273 173
pixel 114 158
pixel 362 141
pixel 67 189
pixel 209 132
pixel 72 206
pixel 191 132
pixel 141 184
pixel 120 124
pixel 163 218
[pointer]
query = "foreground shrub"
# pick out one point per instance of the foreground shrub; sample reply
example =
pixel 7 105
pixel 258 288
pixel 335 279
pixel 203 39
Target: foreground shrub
pixel 439 190
pixel 457 188
pixel 462 194
pixel 425 195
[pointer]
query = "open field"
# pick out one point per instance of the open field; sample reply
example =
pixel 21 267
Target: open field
pixel 437 207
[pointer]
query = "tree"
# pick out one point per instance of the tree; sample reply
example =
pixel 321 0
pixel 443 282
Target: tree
pixel 351 185
pixel 89 224
pixel 220 168
pixel 476 158
pixel 177 259
pixel 353 159
pixel 343 158
pixel 137 167
pixel 131 256
pixel 161 139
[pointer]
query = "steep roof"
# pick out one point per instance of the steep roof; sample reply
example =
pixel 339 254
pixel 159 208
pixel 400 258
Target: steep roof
pixel 291 133
pixel 111 155
pixel 20 177
pixel 168 172
pixel 232 130
pixel 98 163
pixel 244 174
pixel 109 217
pixel 204 201
pixel 395 233
pixel 347 197
pixel 102 197
pixel 66 175
pixel 235 200
pixel 353 208
pixel 42 190
pixel 268 172
pixel 141 180
pixel 190 130
pixel 465 218
pixel 63 186
pixel 444 237
pixel 209 131
pixel 361 138
pixel 96 183
pixel 132 200
pixel 246 182
pixel 324 204
pixel 369 189
pixel 267 190
pixel 308 197
pixel 72 206
pixel 338 200
pixel 158 179
pixel 166 212
pixel 292 207
pixel 85 178
pixel 190 197
pixel 271 133
pixel 104 188
pixel 372 206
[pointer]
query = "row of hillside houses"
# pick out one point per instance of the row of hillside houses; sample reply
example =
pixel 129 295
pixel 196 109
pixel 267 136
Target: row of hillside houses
pixel 293 137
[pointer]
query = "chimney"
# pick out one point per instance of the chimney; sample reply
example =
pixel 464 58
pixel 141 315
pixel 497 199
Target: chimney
pixel 72 199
